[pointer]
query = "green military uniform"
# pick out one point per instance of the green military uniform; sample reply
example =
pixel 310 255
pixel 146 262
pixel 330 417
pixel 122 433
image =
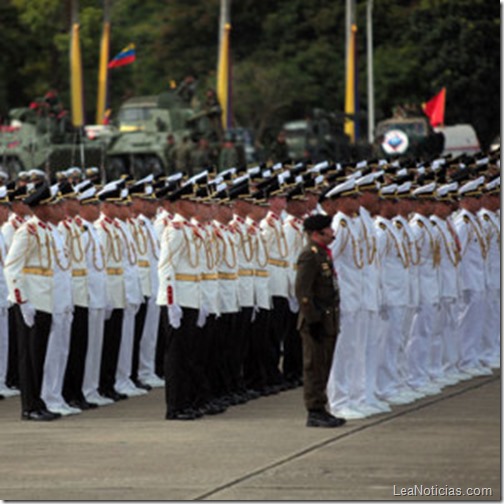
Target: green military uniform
pixel 318 296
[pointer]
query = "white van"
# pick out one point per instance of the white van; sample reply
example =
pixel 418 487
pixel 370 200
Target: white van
pixel 459 139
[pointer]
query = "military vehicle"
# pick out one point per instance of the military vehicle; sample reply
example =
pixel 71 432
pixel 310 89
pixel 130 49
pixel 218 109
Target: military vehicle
pixel 144 123
pixel 37 139
pixel 410 136
pixel 317 138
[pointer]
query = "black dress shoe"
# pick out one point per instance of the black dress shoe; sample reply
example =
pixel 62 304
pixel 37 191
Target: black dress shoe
pixel 180 415
pixel 115 396
pixel 323 419
pixel 142 385
pixel 40 415
pixel 82 404
pixel 252 394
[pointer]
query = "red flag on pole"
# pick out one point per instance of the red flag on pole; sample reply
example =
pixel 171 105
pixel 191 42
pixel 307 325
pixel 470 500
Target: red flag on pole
pixel 435 108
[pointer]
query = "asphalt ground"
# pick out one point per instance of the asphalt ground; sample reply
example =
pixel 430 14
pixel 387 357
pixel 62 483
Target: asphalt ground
pixel 261 450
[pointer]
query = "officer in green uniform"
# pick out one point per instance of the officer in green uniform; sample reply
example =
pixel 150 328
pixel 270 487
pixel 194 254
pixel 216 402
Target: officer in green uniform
pixel 318 295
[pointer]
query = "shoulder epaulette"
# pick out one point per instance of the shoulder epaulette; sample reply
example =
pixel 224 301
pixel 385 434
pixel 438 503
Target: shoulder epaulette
pixel 382 225
pixel 343 222
pixel 420 223
pixel 486 217
pixel 32 229
pixel 466 219
pixel 398 224
pixel 177 225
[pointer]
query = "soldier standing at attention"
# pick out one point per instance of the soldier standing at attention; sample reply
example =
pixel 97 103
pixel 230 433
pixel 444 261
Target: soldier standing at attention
pixel 318 296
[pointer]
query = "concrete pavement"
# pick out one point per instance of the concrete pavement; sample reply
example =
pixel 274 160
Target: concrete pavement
pixel 258 451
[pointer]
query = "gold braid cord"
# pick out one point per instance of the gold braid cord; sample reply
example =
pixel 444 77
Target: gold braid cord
pixel 455 256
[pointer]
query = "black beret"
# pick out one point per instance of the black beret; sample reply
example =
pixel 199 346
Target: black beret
pixel 317 222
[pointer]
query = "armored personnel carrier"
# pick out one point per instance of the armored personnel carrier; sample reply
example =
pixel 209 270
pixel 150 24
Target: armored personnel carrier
pixel 144 124
pixel 35 139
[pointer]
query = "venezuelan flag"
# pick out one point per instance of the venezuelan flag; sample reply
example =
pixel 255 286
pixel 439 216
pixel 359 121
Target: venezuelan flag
pixel 125 57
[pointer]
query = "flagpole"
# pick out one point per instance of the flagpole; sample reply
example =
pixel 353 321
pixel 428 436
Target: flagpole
pixel 102 69
pixel 76 84
pixel 224 17
pixel 370 81
pixel 350 79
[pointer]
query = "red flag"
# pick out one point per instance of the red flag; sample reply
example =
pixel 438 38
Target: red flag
pixel 435 108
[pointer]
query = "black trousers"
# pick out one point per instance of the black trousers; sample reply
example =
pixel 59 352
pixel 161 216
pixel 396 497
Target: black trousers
pixel 74 374
pixel 182 369
pixel 258 356
pixel 12 379
pixel 276 338
pixel 293 349
pixel 32 348
pixel 161 341
pixel 139 325
pixel 110 353
pixel 240 349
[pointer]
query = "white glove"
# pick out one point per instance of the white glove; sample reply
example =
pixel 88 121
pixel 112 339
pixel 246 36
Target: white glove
pixel 108 311
pixel 174 315
pixel 255 311
pixel 202 316
pixel 28 312
pixel 293 305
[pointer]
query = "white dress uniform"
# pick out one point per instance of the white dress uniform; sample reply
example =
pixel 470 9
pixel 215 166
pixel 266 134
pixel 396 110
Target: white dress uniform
pixel 261 276
pixel 245 254
pixel 209 292
pixel 178 267
pixel 59 338
pixel 413 298
pixel 10 227
pixel 472 287
pixel 147 356
pixel 347 255
pixel 295 238
pixel 490 355
pixel 134 298
pixel 367 360
pixel 424 321
pixel 97 305
pixel 4 322
pixel 445 355
pixel 71 232
pixel 394 288
pixel 276 243
pixel 227 267
pixel 162 219
pixel 108 234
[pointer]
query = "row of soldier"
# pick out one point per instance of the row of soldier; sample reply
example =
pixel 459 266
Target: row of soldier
pixel 212 263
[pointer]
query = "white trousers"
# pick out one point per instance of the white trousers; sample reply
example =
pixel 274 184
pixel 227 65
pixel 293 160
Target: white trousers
pixel 147 358
pixel 4 346
pixel 418 347
pixel 470 326
pixel 91 381
pixel 403 369
pixel 490 344
pixel 56 358
pixel 447 329
pixel 388 378
pixel 437 344
pixel 340 385
pixel 369 324
pixel 125 360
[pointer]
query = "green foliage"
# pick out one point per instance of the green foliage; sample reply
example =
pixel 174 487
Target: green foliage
pixel 288 55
